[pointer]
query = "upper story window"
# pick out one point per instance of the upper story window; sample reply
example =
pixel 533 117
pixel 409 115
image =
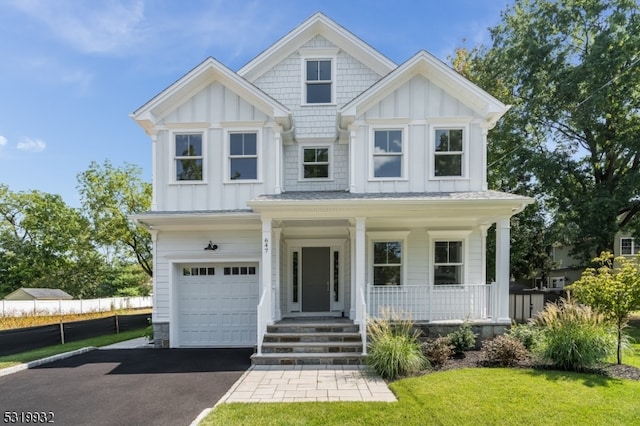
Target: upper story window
pixel 449 150
pixel 629 247
pixel 243 156
pixel 387 153
pixel 188 157
pixel 319 81
pixel 448 263
pixel 315 162
pixel 387 263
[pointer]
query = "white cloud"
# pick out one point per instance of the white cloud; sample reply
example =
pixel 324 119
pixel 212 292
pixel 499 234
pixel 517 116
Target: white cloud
pixel 31 145
pixel 3 141
pixel 91 27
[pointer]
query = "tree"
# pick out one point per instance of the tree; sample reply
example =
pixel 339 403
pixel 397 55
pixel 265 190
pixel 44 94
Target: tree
pixel 45 243
pixel 613 289
pixel 571 70
pixel 109 195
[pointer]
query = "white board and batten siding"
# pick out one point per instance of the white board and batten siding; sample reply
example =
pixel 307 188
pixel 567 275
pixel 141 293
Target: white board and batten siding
pixel 214 302
pixel 214 111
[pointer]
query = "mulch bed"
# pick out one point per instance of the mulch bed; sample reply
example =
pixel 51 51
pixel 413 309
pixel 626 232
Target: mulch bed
pixel 475 359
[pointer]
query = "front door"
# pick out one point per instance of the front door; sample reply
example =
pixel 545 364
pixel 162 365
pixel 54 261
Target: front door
pixel 316 279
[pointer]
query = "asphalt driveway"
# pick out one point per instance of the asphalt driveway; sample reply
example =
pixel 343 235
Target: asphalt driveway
pixel 127 386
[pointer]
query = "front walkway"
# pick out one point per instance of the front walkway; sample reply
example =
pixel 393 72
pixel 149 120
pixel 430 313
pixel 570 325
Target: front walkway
pixel 308 383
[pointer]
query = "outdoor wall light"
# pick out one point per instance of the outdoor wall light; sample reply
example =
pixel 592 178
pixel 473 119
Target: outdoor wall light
pixel 211 246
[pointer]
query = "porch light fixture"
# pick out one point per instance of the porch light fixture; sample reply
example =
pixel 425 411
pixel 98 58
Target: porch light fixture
pixel 211 246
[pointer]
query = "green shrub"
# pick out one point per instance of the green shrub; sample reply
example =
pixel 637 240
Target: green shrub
pixel 438 350
pixel 528 334
pixel 148 331
pixel 393 347
pixel 505 351
pixel 463 339
pixel 573 337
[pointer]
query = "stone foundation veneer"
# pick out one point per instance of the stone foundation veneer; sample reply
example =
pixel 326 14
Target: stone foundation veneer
pixel 483 330
pixel 161 335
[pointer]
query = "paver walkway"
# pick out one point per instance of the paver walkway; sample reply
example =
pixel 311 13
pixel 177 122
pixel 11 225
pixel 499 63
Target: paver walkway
pixel 263 383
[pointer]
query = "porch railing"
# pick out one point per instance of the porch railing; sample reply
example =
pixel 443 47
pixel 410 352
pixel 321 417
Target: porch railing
pixel 433 303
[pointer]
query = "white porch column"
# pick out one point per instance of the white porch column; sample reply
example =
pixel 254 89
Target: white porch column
pixel 503 248
pixel 265 304
pixel 277 233
pixel 360 269
pixel 352 272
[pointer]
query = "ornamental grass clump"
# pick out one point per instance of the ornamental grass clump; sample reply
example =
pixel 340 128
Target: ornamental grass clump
pixel 573 337
pixel 394 347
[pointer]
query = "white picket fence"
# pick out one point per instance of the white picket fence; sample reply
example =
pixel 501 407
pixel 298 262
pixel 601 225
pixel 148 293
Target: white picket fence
pixel 17 308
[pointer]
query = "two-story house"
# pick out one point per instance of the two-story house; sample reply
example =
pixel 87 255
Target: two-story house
pixel 321 180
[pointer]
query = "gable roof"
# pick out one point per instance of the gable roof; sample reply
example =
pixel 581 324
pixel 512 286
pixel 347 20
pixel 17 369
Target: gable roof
pixel 26 293
pixel 425 64
pixel 205 73
pixel 317 24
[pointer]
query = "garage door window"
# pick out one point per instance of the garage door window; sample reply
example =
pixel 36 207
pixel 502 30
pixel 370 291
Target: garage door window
pixel 195 271
pixel 240 270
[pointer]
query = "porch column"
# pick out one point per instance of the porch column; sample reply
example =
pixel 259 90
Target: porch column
pixel 503 247
pixel 352 273
pixel 360 270
pixel 277 233
pixel 265 302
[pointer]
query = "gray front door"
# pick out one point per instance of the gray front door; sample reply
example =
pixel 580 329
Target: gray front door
pixel 316 276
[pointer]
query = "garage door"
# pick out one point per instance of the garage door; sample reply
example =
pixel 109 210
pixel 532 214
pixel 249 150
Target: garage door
pixel 218 304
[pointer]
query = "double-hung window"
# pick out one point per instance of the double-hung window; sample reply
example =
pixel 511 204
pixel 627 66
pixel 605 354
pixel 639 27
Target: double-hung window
pixel 387 153
pixel 319 81
pixel 448 263
pixel 188 157
pixel 315 162
pixel 243 156
pixel 628 247
pixel 387 263
pixel 449 151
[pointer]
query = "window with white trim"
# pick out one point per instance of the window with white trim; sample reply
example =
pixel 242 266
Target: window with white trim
pixel 448 152
pixel 243 156
pixel 448 263
pixel 315 162
pixel 628 246
pixel 318 81
pixel 387 263
pixel 188 156
pixel 387 153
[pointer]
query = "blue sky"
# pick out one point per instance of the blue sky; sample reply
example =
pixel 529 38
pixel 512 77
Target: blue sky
pixel 73 70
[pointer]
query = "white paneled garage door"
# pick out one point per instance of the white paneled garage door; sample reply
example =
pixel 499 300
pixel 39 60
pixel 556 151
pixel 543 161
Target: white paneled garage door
pixel 218 304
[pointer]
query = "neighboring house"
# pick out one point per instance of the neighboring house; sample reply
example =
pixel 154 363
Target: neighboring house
pixel 626 245
pixel 321 180
pixel 566 270
pixel 38 294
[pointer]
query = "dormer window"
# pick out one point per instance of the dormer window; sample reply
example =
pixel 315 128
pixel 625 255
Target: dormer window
pixel 319 81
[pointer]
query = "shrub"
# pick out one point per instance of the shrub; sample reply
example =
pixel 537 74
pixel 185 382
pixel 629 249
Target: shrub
pixel 573 336
pixel 393 347
pixel 463 339
pixel 148 332
pixel 505 351
pixel 528 334
pixel 438 350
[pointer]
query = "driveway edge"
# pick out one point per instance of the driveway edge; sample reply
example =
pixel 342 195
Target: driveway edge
pixel 38 362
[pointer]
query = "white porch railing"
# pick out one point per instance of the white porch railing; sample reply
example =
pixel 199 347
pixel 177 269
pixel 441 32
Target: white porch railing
pixel 264 316
pixel 434 303
pixel 361 318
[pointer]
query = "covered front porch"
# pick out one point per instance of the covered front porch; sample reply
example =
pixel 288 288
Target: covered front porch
pixel 356 255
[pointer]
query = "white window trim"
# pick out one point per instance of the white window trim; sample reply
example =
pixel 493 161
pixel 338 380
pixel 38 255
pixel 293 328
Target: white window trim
pixel 303 77
pixel 465 149
pixel 307 145
pixel 405 152
pixel 227 156
pixel 383 237
pixel 172 155
pixel 634 246
pixel 454 235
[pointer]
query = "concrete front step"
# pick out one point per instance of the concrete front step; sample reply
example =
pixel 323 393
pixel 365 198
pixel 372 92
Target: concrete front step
pixel 312 347
pixel 307 359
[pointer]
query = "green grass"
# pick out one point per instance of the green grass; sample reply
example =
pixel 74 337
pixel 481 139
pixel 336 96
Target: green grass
pixel 632 356
pixel 11 360
pixel 482 396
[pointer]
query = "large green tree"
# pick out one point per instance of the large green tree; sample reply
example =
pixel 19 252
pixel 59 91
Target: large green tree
pixel 109 195
pixel 571 70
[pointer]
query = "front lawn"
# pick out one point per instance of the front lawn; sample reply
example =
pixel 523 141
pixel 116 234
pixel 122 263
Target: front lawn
pixel 483 396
